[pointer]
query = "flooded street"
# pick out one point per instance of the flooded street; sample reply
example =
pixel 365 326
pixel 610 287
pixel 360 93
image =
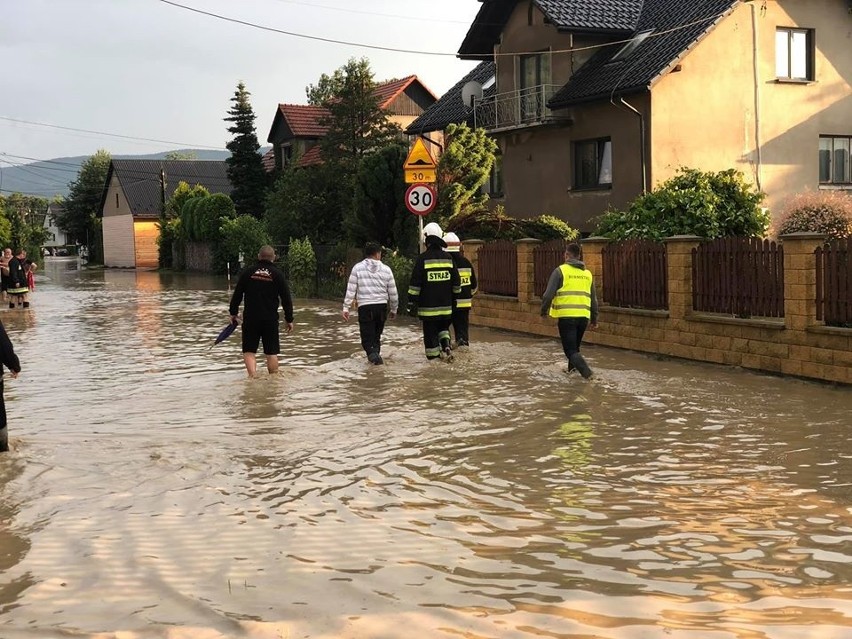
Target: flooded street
pixel 153 491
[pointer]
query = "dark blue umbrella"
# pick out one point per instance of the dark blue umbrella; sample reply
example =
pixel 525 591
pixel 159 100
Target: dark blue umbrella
pixel 226 333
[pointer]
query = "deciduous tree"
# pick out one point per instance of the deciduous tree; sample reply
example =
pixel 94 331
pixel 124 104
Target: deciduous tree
pixel 80 217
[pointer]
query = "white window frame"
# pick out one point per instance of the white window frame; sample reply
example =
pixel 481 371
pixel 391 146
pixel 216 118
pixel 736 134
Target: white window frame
pixel 794 54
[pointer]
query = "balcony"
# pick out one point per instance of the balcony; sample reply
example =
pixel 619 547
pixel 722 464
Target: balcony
pixel 514 109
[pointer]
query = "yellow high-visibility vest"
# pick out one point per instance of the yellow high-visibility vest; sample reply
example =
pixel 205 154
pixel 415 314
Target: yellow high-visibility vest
pixel 574 298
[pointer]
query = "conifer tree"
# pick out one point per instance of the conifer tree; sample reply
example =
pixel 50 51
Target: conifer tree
pixel 245 167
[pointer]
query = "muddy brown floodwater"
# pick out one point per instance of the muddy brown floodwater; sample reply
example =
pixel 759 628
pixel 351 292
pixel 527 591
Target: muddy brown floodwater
pixel 154 492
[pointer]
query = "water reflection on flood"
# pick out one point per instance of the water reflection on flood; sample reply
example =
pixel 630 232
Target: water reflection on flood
pixel 153 491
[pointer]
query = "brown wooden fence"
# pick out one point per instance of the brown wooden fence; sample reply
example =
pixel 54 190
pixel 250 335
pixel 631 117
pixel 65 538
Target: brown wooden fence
pixel 635 274
pixel 498 268
pixel 546 257
pixel 834 283
pixel 739 276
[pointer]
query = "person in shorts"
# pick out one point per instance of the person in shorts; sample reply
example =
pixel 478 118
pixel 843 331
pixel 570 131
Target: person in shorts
pixel 263 286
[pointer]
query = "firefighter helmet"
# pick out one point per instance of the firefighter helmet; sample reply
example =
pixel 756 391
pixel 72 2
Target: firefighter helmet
pixel 453 242
pixel 432 229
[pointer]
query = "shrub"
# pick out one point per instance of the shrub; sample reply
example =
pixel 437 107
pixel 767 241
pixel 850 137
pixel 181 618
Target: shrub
pixel 401 267
pixel 302 267
pixel 242 235
pixel 705 204
pixel 210 212
pixel 167 241
pixel 827 212
pixel 489 225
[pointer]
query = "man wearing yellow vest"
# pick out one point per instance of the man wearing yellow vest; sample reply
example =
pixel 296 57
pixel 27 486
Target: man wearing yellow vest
pixel 570 298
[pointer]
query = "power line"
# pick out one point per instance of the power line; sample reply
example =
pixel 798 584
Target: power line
pixel 112 135
pixel 433 53
pixel 374 13
pixel 303 35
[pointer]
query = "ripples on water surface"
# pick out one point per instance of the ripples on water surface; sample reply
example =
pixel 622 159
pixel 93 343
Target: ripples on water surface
pixel 152 491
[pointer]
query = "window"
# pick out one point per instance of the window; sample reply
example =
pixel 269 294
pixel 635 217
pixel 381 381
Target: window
pixel 631 46
pixel 116 199
pixel 534 74
pixel 834 159
pixel 286 154
pixel 495 179
pixel 794 54
pixel 593 164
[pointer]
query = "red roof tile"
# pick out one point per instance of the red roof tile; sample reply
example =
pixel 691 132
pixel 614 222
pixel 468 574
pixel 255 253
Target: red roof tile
pixel 388 91
pixel 303 119
pixel 311 157
pixel 268 161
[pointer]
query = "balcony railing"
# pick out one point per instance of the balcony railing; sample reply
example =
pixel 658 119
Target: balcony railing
pixel 525 107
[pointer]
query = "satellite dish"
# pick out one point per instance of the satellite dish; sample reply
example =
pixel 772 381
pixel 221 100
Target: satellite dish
pixel 470 92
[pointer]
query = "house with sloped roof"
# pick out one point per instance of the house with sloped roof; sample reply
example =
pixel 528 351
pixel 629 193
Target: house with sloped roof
pixel 132 203
pixel 595 101
pixel 297 128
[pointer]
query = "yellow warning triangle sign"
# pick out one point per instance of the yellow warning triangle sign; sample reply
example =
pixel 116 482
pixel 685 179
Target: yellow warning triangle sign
pixel 419 157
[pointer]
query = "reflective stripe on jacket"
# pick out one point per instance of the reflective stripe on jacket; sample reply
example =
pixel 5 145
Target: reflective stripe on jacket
pixel 468 283
pixel 574 298
pixel 434 282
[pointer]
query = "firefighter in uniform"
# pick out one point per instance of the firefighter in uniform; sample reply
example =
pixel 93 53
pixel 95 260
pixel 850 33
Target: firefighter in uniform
pixel 434 284
pixel 570 298
pixel 464 301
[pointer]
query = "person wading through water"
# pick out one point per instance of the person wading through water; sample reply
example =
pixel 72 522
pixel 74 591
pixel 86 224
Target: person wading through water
pixel 263 285
pixel 434 283
pixel 371 282
pixel 570 298
pixel 464 301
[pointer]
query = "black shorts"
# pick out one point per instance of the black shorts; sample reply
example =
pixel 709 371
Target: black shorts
pixel 256 330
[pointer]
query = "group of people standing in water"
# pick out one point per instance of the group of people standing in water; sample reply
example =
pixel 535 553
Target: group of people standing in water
pixel 17 277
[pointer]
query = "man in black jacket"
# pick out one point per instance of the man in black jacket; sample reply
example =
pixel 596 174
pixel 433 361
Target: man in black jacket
pixel 10 361
pixel 263 285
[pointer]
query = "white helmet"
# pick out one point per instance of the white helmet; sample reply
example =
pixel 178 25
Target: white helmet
pixel 432 229
pixel 453 242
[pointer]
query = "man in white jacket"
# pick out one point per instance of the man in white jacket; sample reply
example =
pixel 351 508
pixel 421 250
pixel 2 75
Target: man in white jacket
pixel 371 283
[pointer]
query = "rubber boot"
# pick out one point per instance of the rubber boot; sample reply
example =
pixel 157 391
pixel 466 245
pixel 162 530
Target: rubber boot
pixel 375 358
pixel 580 364
pixel 4 439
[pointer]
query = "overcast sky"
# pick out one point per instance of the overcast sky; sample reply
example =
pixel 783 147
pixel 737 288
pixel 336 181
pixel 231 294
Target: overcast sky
pixel 147 69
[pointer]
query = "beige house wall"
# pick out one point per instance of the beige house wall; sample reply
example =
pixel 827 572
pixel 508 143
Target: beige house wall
pixel 115 205
pixel 119 243
pixel 747 108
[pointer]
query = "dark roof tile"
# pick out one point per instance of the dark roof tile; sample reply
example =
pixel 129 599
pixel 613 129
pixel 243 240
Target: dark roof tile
pixel 450 108
pixel 679 24
pixel 140 181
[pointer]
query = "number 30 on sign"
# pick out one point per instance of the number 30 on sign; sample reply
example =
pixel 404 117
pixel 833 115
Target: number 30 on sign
pixel 421 199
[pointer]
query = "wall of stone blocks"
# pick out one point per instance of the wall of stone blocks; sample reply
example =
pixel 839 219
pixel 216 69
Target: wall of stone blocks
pixel 796 345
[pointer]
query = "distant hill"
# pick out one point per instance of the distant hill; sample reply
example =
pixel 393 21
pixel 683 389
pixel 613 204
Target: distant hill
pixel 49 178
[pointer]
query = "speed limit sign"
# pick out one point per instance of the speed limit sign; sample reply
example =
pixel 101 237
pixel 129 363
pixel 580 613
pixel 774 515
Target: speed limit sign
pixel 421 199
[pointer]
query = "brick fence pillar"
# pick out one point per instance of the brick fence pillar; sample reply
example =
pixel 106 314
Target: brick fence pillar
pixel 800 279
pixel 593 259
pixel 679 264
pixel 471 252
pixel 526 268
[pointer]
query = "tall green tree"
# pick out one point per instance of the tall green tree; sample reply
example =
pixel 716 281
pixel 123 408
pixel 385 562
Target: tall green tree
pixel 462 170
pixel 380 213
pixel 357 125
pixel 245 166
pixel 80 217
pixel 22 222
